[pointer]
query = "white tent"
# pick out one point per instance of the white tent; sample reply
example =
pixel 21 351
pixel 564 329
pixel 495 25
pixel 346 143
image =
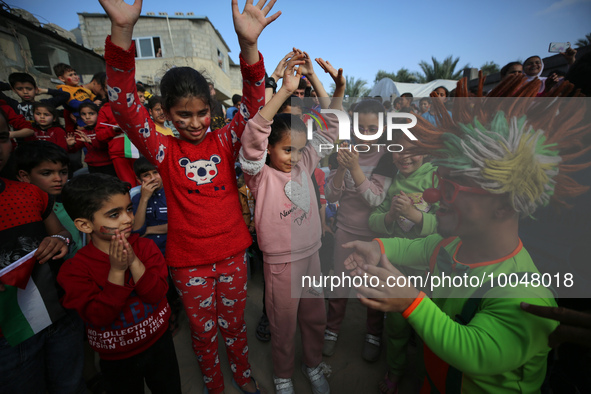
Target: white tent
pixel 386 88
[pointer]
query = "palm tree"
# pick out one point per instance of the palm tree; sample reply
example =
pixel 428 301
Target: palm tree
pixel 489 68
pixel 354 88
pixel 582 42
pixel 440 70
pixel 402 75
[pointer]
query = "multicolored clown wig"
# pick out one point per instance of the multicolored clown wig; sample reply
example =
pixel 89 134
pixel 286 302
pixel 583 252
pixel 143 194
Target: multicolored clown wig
pixel 512 141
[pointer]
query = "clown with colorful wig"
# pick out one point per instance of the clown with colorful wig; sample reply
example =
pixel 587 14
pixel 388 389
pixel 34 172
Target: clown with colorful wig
pixel 499 159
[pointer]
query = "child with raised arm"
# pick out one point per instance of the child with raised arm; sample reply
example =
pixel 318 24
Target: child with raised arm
pixel 207 240
pixel 288 223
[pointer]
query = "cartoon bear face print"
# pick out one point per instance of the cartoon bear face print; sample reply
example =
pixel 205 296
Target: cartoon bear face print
pixel 201 171
pixel 206 302
pixel 244 112
pixel 113 93
pixel 196 282
pixel 145 131
pixel 230 341
pixel 207 379
pixel 208 325
pixel 226 279
pixel 129 99
pixel 160 154
pixel 222 322
pixel 233 367
pixel 228 302
pixel 246 373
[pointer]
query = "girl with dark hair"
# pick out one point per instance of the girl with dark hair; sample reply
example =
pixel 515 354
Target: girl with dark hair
pixel 278 162
pixel 207 237
pixel 46 126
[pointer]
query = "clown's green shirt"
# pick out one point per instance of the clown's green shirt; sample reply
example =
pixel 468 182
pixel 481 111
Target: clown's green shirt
pixel 502 349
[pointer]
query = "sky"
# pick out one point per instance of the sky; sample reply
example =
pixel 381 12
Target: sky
pixel 364 37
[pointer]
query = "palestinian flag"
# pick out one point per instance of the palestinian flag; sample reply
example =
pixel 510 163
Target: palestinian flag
pixel 130 151
pixel 30 302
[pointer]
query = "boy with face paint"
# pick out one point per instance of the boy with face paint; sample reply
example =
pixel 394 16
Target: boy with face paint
pixel 71 85
pixel 494 166
pixel 117 284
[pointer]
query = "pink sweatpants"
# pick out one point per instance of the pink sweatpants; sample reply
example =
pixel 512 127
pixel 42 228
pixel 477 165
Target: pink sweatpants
pixel 337 303
pixel 214 296
pixel 286 308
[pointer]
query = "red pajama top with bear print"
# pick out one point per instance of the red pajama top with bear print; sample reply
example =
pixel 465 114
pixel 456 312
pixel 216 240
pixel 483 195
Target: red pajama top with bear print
pixel 206 223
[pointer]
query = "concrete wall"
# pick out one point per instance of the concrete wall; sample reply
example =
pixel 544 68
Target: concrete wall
pixel 29 48
pixel 191 42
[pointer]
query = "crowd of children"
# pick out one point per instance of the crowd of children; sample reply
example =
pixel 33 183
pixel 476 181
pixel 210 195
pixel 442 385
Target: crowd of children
pixel 103 267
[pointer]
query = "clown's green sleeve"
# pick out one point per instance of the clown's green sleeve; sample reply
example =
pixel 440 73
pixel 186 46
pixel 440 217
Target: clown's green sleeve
pixel 502 348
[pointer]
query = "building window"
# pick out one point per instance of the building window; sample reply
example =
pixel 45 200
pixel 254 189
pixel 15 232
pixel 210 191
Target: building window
pixel 148 47
pixel 220 59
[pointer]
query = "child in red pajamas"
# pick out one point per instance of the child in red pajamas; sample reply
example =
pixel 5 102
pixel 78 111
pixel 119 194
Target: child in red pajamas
pixel 207 238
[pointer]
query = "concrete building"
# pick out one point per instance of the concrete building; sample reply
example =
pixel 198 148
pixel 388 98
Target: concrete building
pixel 164 41
pixel 27 46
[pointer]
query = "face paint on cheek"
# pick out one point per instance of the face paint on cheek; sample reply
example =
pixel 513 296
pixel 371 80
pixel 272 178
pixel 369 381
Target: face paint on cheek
pixel 207 121
pixel 180 124
pixel 107 230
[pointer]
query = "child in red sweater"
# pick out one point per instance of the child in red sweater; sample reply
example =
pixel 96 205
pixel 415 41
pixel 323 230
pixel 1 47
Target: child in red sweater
pixel 96 156
pixel 118 284
pixel 207 239
pixel 46 126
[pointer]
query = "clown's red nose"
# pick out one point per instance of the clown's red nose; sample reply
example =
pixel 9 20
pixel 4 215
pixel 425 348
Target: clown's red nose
pixel 432 195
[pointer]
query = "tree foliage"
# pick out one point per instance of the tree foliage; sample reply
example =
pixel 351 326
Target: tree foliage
pixel 489 68
pixel 440 70
pixel 354 88
pixel 582 42
pixel 402 75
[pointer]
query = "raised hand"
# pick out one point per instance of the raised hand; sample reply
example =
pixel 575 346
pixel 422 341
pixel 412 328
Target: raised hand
pixel 348 159
pixel 307 68
pixel 122 14
pixel 71 139
pixel 118 252
pixel 292 74
pixel 123 18
pixel 82 136
pixel 280 69
pixel 249 24
pixel 336 75
pixel 148 188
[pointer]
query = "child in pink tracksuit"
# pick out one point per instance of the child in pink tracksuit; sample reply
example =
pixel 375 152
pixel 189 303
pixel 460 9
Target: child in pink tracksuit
pixel 288 222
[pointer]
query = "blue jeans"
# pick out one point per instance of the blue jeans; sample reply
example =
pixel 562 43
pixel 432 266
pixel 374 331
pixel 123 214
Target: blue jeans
pixel 50 361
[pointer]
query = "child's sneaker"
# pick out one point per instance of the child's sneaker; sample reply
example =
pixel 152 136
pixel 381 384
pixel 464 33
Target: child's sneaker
pixel 330 343
pixel 283 386
pixel 371 348
pixel 317 379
